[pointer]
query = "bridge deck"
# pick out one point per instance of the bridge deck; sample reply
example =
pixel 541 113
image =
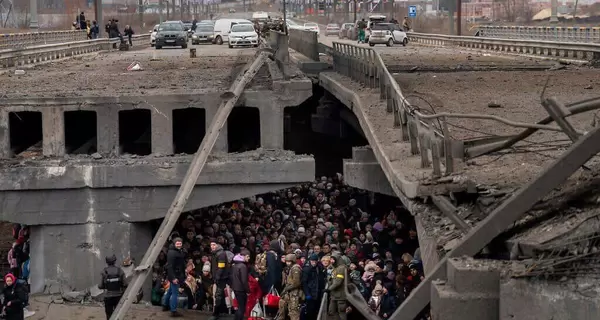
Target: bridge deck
pixel 166 71
pixel 513 95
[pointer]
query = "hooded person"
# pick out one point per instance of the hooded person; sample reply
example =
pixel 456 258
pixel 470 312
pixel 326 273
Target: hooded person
pixel 239 282
pixel 336 288
pixel 292 295
pixel 14 298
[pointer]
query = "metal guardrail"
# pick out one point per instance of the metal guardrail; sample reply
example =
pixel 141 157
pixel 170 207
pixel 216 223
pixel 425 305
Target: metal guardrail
pixel 18 40
pixel 569 34
pixel 432 143
pixel 551 49
pixel 35 54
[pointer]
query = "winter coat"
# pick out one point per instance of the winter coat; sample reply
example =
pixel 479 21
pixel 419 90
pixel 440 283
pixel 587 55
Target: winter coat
pixel 255 295
pixel 175 264
pixel 220 267
pixel 239 275
pixel 313 281
pixel 17 296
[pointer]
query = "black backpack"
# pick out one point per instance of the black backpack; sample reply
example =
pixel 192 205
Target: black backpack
pixel 112 279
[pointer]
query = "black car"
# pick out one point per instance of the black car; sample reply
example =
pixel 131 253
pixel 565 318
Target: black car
pixel 171 34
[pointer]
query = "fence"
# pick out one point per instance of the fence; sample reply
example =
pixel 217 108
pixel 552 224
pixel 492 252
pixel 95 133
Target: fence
pixel 573 50
pixel 569 34
pixel 306 42
pixel 18 40
pixel 23 56
pixel 433 144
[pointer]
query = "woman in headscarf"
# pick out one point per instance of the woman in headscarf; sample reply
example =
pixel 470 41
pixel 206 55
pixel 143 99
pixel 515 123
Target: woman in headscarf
pixel 14 298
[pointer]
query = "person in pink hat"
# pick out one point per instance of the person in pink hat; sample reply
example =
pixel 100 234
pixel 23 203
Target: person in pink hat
pixel 14 298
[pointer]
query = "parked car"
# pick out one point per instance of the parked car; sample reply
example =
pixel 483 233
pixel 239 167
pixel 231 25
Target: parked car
pixel 388 34
pixel 344 30
pixel 243 35
pixel 171 33
pixel 223 27
pixel 153 35
pixel 311 26
pixel 187 26
pixel 332 29
pixel 204 33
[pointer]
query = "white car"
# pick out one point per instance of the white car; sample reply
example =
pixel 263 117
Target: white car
pixel 243 35
pixel 310 26
pixel 153 35
pixel 388 34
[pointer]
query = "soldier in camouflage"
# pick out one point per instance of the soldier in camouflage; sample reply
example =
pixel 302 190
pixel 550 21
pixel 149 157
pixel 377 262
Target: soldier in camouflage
pixel 292 295
pixel 336 289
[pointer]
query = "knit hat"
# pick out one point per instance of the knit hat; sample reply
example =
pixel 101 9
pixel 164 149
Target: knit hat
pixel 313 257
pixel 10 276
pixel 206 267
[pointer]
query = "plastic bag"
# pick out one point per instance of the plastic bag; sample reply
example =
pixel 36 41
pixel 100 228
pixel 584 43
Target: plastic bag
pixel 257 312
pixel 272 298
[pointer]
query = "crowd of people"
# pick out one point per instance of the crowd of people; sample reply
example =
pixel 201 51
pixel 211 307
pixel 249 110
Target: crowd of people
pixel 15 294
pixel 295 246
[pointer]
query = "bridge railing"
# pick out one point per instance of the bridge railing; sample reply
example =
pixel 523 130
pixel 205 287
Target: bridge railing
pixel 568 34
pixel 34 54
pixel 17 40
pixel 542 48
pixel 428 135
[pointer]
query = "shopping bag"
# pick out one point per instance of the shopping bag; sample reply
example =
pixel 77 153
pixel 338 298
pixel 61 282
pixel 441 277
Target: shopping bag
pixel 257 312
pixel 228 293
pixel 272 298
pixel 234 302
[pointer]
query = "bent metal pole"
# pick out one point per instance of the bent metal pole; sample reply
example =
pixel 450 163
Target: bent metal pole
pixel 189 181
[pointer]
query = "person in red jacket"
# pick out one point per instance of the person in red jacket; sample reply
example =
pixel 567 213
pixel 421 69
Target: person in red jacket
pixel 255 291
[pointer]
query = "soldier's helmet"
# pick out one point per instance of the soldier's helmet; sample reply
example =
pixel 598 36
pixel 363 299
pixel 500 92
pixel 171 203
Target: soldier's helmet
pixel 290 257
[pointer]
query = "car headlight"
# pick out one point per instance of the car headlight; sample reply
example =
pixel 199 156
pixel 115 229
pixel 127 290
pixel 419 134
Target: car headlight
pixel 194 36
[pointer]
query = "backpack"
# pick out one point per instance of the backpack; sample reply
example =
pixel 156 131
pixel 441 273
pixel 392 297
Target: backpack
pixel 112 279
pixel 260 263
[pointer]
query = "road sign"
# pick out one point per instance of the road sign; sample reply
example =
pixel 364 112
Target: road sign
pixel 412 11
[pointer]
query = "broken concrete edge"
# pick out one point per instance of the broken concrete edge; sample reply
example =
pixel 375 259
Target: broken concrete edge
pixel 188 100
pixel 404 189
pixel 307 65
pixel 152 173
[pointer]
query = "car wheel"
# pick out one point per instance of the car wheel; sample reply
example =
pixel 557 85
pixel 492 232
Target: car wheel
pixel 184 46
pixel 158 47
pixel 230 47
pixel 405 42
pixel 152 44
pixel 219 41
pixel 390 42
pixel 371 44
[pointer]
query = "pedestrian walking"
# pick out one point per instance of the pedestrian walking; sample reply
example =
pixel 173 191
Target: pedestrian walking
pixel 113 281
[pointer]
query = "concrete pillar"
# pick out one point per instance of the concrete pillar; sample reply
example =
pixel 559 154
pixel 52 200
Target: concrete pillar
pixel 554 11
pixel 162 132
pixel 4 135
pixel 53 128
pixel 108 130
pixel 271 126
pixel 33 15
pixel 221 144
pixel 74 254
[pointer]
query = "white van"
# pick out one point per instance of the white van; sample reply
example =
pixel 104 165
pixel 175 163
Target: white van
pixel 260 16
pixel 223 27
